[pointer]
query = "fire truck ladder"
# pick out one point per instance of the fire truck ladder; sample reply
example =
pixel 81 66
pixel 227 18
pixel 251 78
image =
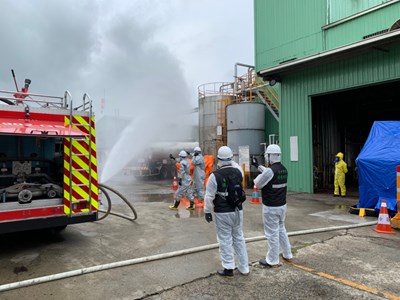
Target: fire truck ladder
pixel 76 171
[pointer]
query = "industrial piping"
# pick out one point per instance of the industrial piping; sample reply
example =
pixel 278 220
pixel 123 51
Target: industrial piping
pixel 48 278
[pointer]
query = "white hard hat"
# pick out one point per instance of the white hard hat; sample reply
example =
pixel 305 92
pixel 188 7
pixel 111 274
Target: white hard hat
pixel 225 153
pixel 197 149
pixel 273 149
pixel 183 153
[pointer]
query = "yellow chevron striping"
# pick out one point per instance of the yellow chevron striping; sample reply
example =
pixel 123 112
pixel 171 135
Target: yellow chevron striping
pixel 94 175
pixel 82 179
pixel 80 162
pixel 66 207
pixel 81 192
pixel 95 204
pixel 66 150
pixel 81 147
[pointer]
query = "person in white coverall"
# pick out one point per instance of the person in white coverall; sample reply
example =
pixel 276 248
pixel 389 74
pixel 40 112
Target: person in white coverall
pixel 198 174
pixel 228 219
pixel 184 181
pixel 273 185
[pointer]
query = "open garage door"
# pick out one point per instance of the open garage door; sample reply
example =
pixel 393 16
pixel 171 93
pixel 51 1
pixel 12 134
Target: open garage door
pixel 341 121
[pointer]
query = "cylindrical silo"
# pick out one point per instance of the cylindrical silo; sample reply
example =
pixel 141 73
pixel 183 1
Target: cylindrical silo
pixel 213 98
pixel 246 127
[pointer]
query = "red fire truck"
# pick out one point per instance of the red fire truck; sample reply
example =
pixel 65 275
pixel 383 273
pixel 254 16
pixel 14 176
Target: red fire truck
pixel 48 167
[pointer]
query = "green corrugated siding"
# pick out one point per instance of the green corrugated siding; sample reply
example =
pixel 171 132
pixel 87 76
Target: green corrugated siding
pixel 287 29
pixel 297 89
pixel 354 30
pixel 340 9
pixel 271 125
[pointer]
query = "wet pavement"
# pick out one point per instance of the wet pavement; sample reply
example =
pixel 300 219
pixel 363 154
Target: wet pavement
pixel 344 264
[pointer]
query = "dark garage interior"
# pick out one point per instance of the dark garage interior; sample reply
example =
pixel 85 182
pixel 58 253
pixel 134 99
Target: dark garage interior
pixel 341 122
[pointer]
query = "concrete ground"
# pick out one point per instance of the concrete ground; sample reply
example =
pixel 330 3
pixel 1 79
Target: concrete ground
pixel 344 264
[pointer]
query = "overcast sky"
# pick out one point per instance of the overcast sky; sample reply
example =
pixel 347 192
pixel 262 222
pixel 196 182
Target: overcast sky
pixel 129 52
pixel 146 58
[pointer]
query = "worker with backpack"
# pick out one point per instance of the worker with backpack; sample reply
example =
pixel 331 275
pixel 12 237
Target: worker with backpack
pixel 224 196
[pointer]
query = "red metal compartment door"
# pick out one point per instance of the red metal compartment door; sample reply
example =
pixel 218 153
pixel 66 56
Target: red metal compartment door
pixel 38 127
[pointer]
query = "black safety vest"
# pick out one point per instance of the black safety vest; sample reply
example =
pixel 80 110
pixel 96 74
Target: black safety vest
pixel 274 193
pixel 221 205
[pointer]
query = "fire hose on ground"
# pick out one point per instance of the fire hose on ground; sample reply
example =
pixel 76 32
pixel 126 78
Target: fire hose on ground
pixel 107 212
pixel 134 261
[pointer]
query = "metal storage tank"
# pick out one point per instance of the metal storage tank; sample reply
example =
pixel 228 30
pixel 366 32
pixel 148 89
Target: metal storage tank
pixel 213 98
pixel 246 126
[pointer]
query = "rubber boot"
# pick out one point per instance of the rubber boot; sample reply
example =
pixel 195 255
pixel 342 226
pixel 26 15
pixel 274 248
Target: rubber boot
pixel 191 206
pixel 175 206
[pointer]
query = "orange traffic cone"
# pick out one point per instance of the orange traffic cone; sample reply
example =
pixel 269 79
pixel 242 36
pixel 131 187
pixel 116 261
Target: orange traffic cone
pixel 383 220
pixel 255 199
pixel 175 184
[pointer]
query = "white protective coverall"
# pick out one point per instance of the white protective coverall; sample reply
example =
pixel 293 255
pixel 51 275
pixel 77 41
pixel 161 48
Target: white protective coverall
pixel 198 176
pixel 273 219
pixel 229 226
pixel 184 176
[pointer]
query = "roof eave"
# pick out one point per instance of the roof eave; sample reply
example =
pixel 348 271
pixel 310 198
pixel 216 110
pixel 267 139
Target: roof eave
pixel 330 55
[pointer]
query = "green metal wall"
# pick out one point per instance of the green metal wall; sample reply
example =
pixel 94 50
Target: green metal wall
pixel 287 29
pixel 292 29
pixel 297 89
pixel 354 29
pixel 271 125
pixel 340 9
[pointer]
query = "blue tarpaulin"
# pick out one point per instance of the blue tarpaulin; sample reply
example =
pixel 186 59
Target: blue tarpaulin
pixel 376 165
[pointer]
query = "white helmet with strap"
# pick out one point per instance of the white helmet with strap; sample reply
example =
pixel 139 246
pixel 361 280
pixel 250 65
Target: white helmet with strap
pixel 273 149
pixel 225 153
pixel 183 154
pixel 272 154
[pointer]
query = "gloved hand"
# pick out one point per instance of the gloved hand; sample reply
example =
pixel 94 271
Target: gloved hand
pixel 180 181
pixel 208 217
pixel 188 153
pixel 254 162
pixel 171 156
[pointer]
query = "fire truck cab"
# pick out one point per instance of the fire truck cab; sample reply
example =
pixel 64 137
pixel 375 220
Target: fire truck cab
pixel 48 167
